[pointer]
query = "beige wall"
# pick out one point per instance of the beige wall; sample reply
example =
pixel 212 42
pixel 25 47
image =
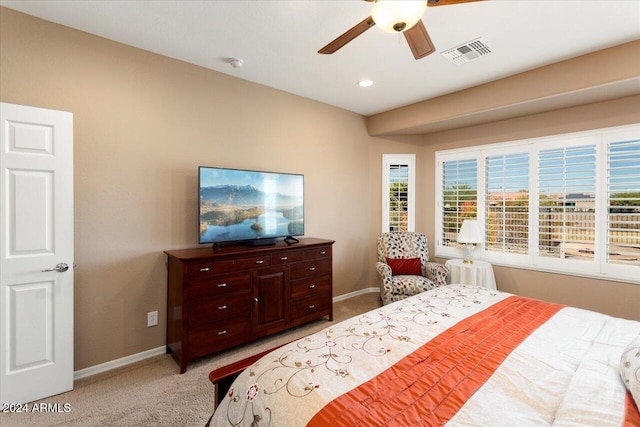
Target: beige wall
pixel 614 298
pixel 142 124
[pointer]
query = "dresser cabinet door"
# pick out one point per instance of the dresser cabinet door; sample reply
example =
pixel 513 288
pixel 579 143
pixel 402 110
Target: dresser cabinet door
pixel 271 301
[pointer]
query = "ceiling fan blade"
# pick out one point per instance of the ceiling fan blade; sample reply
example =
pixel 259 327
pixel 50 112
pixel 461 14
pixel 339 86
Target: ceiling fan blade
pixel 348 36
pixel 419 41
pixel 447 2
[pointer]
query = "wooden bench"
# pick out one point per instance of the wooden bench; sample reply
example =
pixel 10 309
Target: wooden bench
pixel 222 378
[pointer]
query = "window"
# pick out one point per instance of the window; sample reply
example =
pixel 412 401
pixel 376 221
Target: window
pixel 623 200
pixel 507 202
pixel 460 200
pixel 398 180
pixel 568 203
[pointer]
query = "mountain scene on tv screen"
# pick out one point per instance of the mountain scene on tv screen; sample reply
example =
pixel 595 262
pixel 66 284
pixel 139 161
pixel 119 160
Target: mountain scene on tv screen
pixel 236 212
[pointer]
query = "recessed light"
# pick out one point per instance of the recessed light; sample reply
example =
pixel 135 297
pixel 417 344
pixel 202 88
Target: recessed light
pixel 365 83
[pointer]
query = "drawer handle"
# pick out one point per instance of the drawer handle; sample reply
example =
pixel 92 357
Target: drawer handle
pixel 222 332
pixel 284 258
pixel 312 306
pixel 260 262
pixel 312 286
pixel 312 269
pixel 222 307
pixel 204 270
pixel 323 252
pixel 222 285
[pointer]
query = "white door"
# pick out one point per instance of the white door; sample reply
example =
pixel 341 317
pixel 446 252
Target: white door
pixel 36 243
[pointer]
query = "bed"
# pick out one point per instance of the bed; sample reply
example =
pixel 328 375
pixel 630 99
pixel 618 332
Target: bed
pixel 457 355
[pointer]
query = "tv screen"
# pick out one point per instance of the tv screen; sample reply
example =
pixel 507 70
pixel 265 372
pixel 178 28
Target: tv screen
pixel 248 205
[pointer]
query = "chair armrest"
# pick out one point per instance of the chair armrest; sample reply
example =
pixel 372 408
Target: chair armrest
pixel 383 269
pixel 386 288
pixel 437 273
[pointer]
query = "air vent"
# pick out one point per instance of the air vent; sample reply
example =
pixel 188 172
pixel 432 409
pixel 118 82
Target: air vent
pixel 467 52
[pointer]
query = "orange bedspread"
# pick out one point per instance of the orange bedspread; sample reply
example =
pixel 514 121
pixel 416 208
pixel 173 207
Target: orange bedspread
pixel 631 412
pixel 430 385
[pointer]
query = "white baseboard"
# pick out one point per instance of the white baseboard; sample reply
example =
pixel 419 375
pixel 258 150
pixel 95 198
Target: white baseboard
pixel 118 363
pixel 127 360
pixel 355 294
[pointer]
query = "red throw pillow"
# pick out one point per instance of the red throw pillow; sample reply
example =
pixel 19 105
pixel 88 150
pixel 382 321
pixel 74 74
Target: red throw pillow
pixel 405 266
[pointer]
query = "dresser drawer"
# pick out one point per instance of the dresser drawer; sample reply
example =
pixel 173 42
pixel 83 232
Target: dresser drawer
pixel 203 269
pixel 311 306
pixel 316 253
pixel 316 267
pixel 207 268
pixel 218 336
pixel 253 262
pixel 308 287
pixel 288 257
pixel 217 285
pixel 210 310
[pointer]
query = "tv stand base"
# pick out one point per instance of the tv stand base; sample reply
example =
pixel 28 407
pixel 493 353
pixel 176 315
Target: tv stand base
pixel 260 242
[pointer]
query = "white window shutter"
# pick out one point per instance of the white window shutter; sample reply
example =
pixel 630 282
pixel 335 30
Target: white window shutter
pixel 398 192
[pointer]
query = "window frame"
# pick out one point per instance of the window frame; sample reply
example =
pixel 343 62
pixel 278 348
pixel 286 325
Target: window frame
pixel 497 256
pixel 599 266
pixel 557 264
pixel 408 160
pixel 621 133
pixel 450 251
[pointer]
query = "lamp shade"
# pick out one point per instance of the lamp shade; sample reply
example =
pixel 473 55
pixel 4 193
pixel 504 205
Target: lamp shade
pixel 470 232
pixel 394 16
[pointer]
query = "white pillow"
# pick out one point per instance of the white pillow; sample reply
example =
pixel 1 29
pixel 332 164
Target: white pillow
pixel 630 368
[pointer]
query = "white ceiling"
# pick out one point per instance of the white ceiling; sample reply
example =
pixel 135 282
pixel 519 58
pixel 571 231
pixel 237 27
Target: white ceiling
pixel 278 41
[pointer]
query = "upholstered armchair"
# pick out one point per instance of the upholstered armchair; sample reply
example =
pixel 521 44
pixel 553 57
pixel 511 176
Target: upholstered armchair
pixel 404 267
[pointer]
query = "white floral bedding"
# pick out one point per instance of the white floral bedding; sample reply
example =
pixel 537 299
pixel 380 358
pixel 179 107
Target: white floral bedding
pixel 565 373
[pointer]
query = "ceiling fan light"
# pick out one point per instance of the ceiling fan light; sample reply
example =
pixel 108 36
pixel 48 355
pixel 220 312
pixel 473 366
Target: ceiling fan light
pixel 395 16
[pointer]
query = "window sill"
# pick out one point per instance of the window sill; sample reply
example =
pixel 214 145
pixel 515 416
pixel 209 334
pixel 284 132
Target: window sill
pixel 598 276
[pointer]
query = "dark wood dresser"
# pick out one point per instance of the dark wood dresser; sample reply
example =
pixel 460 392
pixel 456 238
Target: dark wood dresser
pixel 222 298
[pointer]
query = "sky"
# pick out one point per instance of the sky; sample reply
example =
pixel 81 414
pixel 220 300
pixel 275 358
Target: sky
pixel 268 182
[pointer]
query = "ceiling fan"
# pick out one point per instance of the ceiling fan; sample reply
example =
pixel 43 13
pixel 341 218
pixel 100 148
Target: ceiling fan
pixel 396 16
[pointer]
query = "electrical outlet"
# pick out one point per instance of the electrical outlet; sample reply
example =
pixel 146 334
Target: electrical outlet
pixel 152 318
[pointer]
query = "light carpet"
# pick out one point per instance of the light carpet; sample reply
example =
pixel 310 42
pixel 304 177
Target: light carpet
pixel 153 393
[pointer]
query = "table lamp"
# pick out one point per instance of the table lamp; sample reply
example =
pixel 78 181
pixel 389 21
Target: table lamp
pixel 469 235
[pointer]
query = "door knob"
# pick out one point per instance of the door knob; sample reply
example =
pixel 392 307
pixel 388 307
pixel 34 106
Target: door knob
pixel 60 267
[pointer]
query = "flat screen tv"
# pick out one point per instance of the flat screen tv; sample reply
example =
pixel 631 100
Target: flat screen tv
pixel 251 206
